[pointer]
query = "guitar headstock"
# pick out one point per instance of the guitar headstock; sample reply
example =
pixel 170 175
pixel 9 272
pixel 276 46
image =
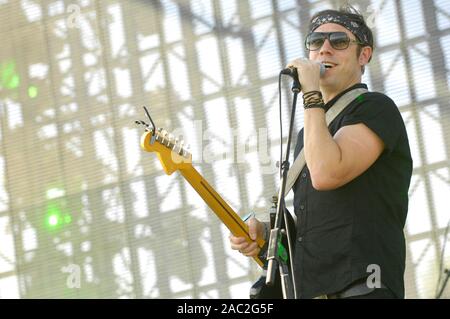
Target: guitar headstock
pixel 171 152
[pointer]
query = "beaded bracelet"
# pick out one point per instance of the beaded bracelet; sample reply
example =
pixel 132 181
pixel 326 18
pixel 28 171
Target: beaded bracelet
pixel 313 99
pixel 306 95
pixel 320 105
pixel 313 96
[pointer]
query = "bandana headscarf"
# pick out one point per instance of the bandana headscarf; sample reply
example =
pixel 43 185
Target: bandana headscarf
pixel 360 31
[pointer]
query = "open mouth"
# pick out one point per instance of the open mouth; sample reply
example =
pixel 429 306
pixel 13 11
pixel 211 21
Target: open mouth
pixel 329 65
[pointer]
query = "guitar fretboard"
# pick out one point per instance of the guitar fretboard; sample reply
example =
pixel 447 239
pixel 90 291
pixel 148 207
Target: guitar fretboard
pixel 226 214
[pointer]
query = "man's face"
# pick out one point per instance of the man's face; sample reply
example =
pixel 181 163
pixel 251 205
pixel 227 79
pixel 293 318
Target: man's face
pixel 346 69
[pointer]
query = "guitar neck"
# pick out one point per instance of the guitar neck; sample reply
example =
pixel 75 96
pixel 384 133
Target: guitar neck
pixel 225 213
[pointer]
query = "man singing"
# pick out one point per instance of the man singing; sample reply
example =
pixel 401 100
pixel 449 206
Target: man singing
pixel 351 198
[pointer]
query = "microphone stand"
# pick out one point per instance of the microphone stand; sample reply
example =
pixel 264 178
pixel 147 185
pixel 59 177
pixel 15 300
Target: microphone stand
pixel 281 226
pixel 447 275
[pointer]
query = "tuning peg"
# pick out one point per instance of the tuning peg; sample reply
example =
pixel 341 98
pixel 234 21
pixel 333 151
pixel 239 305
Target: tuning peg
pixel 162 135
pixel 175 145
pixel 181 146
pixel 170 141
pixel 186 150
pixel 158 134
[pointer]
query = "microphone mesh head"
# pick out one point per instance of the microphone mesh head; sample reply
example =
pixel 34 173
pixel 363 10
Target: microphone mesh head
pixel 322 69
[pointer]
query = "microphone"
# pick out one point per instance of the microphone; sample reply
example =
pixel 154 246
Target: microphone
pixel 293 71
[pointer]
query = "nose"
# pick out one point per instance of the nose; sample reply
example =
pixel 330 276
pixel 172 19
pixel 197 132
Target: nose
pixel 326 47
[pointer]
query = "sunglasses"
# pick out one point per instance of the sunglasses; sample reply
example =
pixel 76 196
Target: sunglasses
pixel 338 40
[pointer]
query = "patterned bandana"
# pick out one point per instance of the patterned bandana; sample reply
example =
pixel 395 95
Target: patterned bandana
pixel 361 32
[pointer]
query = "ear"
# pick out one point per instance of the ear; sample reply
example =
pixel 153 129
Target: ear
pixel 365 55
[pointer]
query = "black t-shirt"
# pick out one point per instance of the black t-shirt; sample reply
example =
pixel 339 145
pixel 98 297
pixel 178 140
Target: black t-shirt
pixel 341 232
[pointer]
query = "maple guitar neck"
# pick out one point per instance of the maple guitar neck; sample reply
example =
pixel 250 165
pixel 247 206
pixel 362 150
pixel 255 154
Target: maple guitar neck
pixel 226 214
pixel 173 157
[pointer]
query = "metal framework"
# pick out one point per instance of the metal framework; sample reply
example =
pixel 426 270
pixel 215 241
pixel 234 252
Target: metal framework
pixel 77 137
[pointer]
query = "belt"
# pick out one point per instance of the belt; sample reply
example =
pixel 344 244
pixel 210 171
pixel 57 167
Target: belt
pixel 357 289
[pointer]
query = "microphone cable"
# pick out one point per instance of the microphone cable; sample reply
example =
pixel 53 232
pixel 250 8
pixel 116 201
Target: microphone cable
pixel 441 263
pixel 281 123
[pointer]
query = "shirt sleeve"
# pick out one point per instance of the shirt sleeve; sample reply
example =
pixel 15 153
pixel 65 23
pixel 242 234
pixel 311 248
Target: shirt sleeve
pixel 379 113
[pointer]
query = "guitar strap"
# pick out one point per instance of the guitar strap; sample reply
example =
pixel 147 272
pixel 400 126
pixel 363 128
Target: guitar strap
pixel 331 114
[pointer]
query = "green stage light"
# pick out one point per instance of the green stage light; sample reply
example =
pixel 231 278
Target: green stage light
pixel 67 219
pixel 55 218
pixel 8 77
pixel 32 91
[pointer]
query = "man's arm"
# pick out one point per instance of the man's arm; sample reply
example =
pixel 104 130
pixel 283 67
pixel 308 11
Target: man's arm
pixel 335 161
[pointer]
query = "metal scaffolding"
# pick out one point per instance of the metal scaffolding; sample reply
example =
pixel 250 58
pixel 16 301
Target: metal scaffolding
pixel 77 137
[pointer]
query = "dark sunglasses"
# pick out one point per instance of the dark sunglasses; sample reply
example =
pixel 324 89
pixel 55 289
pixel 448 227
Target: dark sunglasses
pixel 338 40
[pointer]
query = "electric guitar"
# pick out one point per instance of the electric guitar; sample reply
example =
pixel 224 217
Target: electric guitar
pixel 174 157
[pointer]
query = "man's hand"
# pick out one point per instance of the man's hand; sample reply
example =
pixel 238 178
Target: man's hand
pixel 308 73
pixel 256 229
